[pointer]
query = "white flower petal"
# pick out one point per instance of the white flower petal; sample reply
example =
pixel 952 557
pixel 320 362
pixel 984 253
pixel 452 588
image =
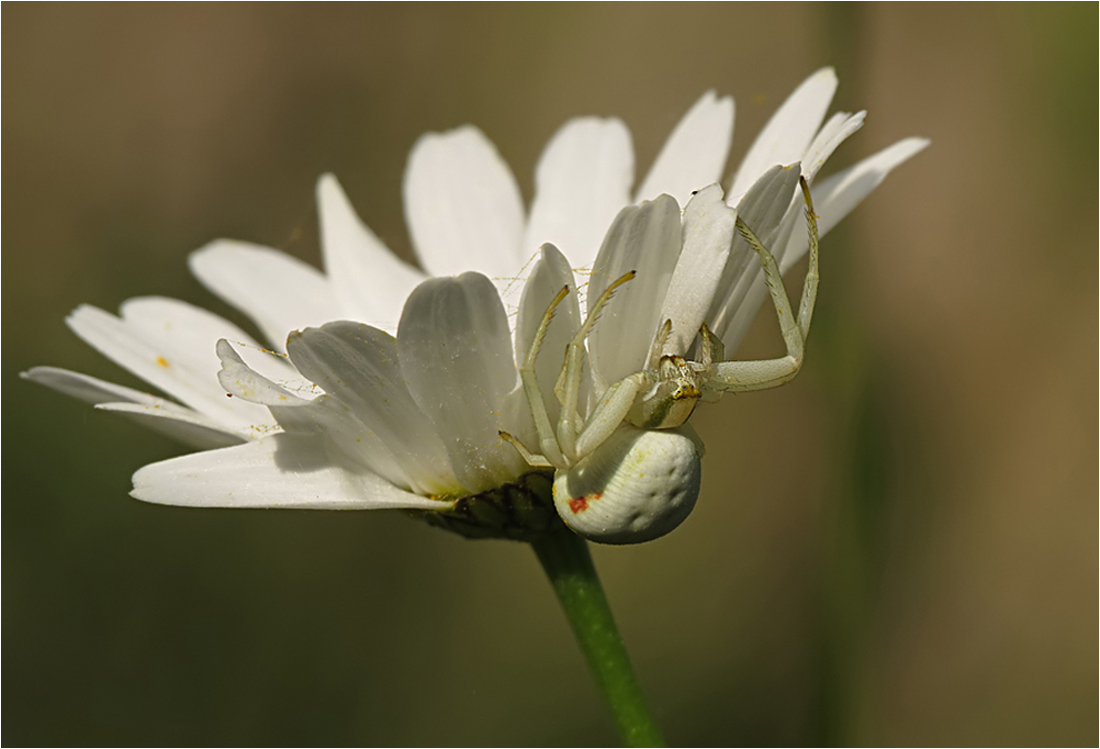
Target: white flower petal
pixel 171 419
pixel 455 351
pixel 187 333
pixel 179 423
pixel 789 132
pixel 241 381
pixel 160 340
pixel 582 180
pixel 840 193
pixel 87 388
pixel 695 154
pixel 278 292
pixel 645 238
pixel 282 471
pixel 274 367
pixel 346 437
pixel 709 226
pixel 837 130
pixel 550 274
pixel 182 331
pixel 370 282
pixel 357 365
pixel 836 196
pixel 763 210
pixel 462 205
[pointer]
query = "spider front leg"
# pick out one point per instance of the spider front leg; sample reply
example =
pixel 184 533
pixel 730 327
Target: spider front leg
pixel 769 373
pixel 548 443
pixel 560 446
pixel 568 386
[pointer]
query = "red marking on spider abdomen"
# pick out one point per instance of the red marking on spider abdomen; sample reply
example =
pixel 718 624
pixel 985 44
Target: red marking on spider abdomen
pixel 580 504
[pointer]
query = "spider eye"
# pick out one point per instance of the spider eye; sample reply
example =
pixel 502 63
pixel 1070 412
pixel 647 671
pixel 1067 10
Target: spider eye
pixel 686 390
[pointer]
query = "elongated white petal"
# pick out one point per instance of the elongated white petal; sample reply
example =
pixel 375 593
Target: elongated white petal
pixel 836 196
pixel 370 282
pixel 645 238
pixel 171 419
pixel 159 341
pixel 694 154
pixel 282 471
pixel 455 350
pixel 87 388
pixel 550 274
pixel 789 132
pixel 463 206
pixel 762 209
pixel 273 367
pixel 241 381
pixel 278 292
pixel 346 437
pixel 184 332
pixel 582 180
pixel 837 130
pixel 181 424
pixel 357 365
pixel 708 233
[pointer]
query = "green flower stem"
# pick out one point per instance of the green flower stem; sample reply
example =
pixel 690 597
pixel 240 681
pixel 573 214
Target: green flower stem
pixel 564 556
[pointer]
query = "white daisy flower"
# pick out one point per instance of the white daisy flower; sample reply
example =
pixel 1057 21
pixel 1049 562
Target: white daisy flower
pixel 401 403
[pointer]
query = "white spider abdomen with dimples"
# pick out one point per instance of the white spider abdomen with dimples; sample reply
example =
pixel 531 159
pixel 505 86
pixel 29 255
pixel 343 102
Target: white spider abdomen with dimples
pixel 638 486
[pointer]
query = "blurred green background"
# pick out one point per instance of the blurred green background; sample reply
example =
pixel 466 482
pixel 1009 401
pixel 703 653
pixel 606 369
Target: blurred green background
pixel 900 547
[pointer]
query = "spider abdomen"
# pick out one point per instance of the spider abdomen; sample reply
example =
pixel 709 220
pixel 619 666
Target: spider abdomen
pixel 638 485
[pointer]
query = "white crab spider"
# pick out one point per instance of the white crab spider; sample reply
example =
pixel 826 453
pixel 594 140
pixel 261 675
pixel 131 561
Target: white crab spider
pixel 630 472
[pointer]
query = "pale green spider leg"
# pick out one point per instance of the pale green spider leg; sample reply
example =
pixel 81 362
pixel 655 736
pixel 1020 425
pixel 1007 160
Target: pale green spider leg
pixel 574 437
pixel 711 350
pixel 551 455
pixel 741 376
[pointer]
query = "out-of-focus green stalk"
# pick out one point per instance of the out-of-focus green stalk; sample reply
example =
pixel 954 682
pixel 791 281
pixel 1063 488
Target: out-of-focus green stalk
pixel 856 497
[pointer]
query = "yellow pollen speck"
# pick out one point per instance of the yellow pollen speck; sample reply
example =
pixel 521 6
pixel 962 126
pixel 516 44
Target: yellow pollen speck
pixel 162 361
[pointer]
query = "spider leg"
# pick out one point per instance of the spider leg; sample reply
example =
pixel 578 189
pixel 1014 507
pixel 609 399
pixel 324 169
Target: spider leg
pixel 758 375
pixel 610 412
pixel 809 287
pixel 659 342
pixel 535 461
pixel 548 443
pixel 711 350
pixel 569 384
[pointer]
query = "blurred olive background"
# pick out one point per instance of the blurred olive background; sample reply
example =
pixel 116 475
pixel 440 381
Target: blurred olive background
pixel 900 547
